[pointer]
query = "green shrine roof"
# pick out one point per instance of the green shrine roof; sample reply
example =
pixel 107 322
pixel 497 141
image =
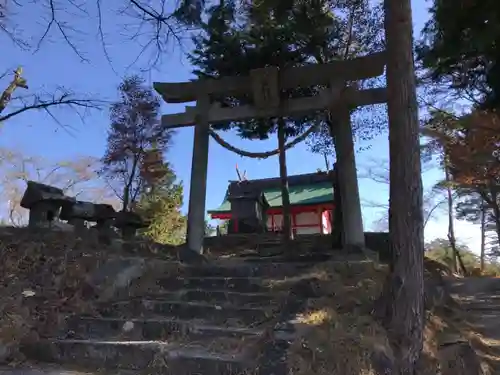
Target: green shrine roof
pixel 310 189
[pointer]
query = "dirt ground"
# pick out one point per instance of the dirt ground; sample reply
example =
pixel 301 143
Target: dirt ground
pixel 480 297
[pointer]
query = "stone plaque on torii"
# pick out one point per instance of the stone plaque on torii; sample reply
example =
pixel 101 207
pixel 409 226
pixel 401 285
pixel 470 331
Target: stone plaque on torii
pixel 265 84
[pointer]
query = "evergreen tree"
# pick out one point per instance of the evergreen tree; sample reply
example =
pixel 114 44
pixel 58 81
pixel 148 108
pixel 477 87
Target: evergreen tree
pixel 161 201
pixel 460 49
pixel 237 40
pixel 473 208
pixel 257 38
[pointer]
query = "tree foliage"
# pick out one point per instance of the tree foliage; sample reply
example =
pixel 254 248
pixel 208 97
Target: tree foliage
pixel 460 56
pixel 160 207
pixel 471 144
pixel 460 49
pixel 160 201
pixel 358 31
pixel 474 150
pixel 471 207
pixel 440 250
pixel 237 41
pixel 135 127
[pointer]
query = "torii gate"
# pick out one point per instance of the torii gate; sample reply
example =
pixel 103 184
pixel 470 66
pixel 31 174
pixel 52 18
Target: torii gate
pixel 266 84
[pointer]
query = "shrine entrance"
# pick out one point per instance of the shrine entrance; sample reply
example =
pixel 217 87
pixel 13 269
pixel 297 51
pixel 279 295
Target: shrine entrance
pixel 265 85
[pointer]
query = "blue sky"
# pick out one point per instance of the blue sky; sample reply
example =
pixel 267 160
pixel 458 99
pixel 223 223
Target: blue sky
pixel 55 64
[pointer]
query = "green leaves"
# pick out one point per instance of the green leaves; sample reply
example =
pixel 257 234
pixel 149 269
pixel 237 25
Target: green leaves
pixel 162 209
pixel 460 49
pixel 236 40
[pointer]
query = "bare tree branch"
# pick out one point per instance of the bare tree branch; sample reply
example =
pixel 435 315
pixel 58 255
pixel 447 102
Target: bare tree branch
pixel 77 177
pixel 62 26
pixel 378 172
pixel 45 101
pixel 151 25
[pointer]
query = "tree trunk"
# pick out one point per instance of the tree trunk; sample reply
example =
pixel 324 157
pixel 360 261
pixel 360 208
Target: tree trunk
pixel 126 197
pixel 285 196
pixel 496 210
pixel 405 300
pixel 491 201
pixel 451 226
pixel 483 235
pixel 327 164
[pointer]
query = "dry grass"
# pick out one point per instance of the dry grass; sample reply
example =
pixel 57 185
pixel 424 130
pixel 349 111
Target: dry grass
pixel 338 335
pixel 336 332
pixel 43 280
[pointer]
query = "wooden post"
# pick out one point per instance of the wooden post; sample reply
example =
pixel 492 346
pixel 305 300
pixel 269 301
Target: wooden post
pixel 198 184
pixel 348 180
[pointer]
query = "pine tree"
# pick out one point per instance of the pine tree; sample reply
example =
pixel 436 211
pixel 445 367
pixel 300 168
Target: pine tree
pixel 236 41
pixel 460 49
pixel 161 201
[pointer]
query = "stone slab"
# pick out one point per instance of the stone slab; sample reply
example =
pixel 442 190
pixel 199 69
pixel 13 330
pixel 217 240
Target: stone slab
pixel 116 274
pixel 151 329
pixel 155 356
pixel 247 269
pixel 47 370
pixel 239 284
pixel 213 296
pixel 215 313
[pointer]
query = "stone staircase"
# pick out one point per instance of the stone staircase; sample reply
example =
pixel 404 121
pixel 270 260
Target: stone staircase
pixel 209 319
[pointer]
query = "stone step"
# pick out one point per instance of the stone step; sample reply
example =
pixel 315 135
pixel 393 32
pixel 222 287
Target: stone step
pixel 246 269
pixel 236 298
pixel 309 258
pixel 237 284
pixel 155 356
pixel 150 329
pixel 81 328
pixel 217 314
pixel 482 306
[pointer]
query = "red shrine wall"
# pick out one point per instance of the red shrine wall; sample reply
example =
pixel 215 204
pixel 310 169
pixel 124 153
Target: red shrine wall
pixel 305 220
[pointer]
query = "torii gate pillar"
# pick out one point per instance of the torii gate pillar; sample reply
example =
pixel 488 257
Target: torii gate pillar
pixel 352 220
pixel 198 184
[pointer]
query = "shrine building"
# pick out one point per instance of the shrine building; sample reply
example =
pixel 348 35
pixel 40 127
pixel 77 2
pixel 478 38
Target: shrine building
pixel 311 202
